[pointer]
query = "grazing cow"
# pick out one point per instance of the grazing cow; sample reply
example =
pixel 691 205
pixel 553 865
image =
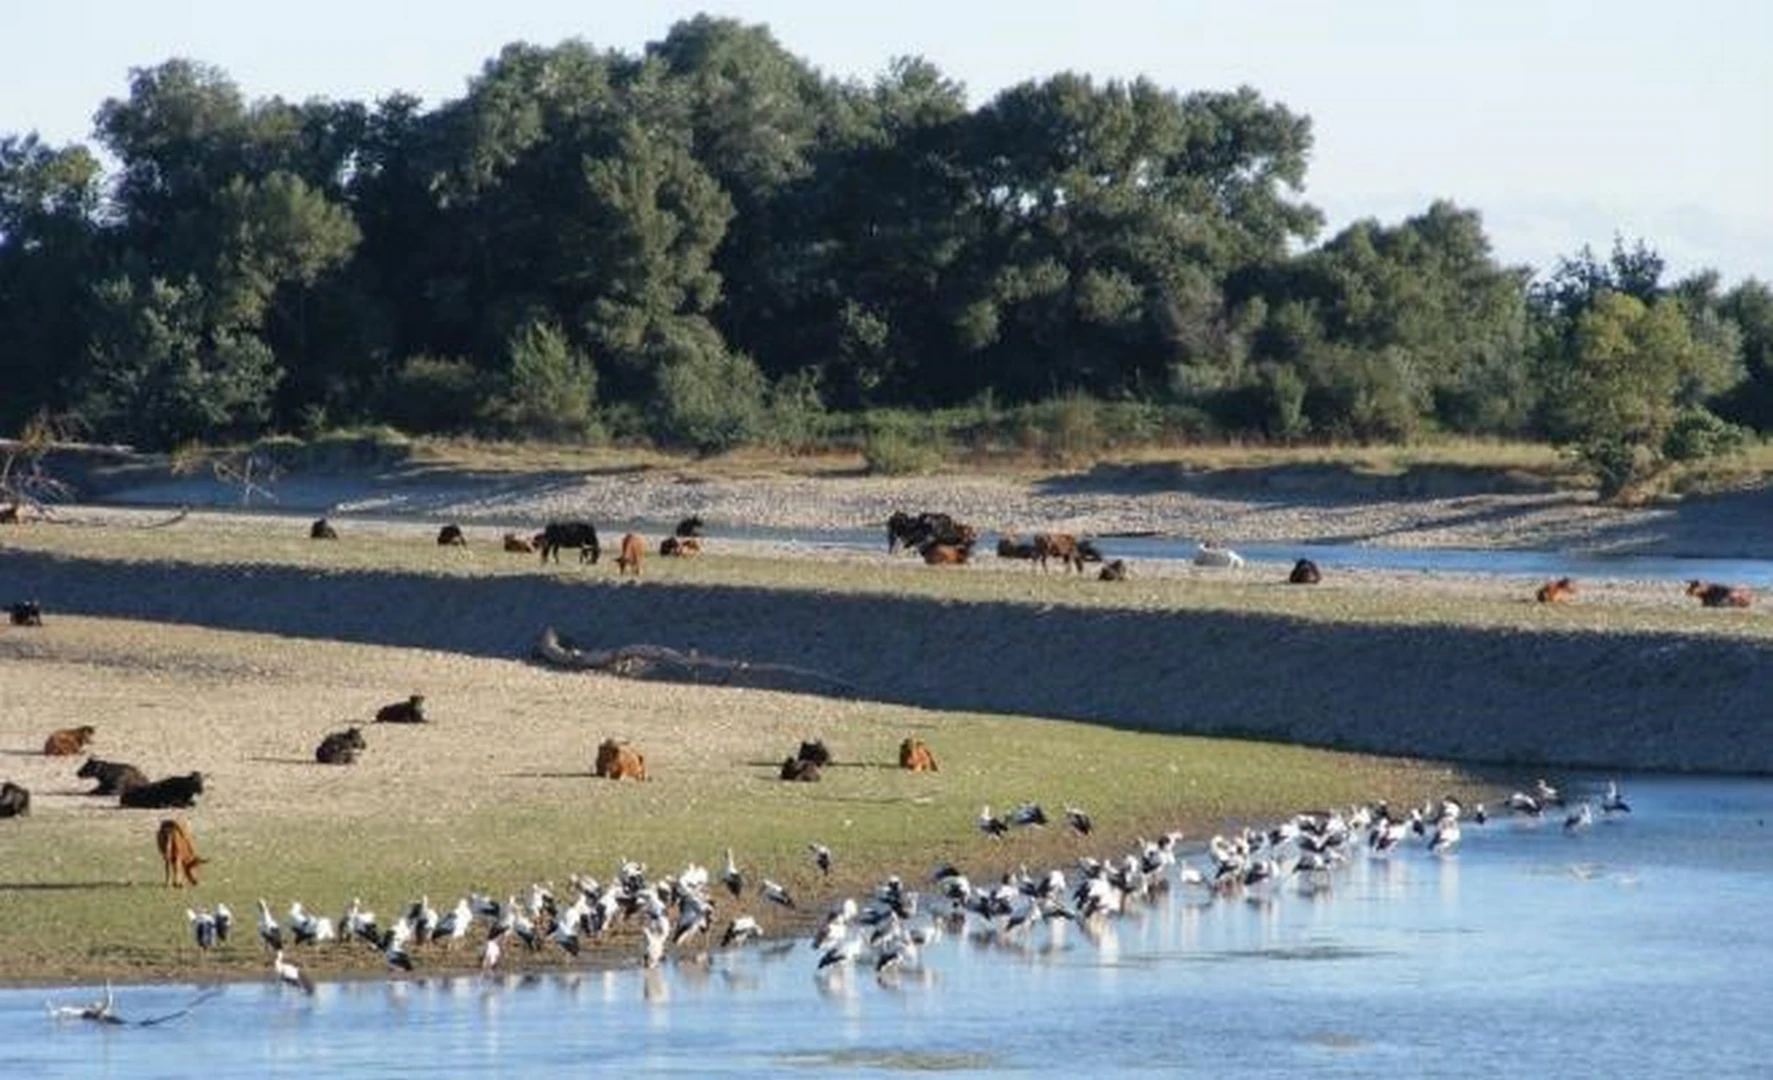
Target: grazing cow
pixel 1712 594
pixel 1114 571
pixel 800 769
pixel 451 536
pixel 915 755
pixel 26 613
pixel 913 533
pixel 1061 546
pixel 814 751
pixel 15 801
pixel 680 547
pixel 1008 547
pixel 177 854
pixel 1555 592
pixel 69 741
pixel 322 530
pixel 410 711
pixel 939 554
pixel 1305 572
pixel 633 549
pixel 689 527
pixel 164 793
pixel 518 544
pixel 113 777
pixel 570 534
pixel 11 514
pixel 1209 554
pixel 617 761
pixel 341 747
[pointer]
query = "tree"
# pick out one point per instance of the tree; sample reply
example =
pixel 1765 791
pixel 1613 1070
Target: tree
pixel 550 389
pixel 1634 371
pixel 162 372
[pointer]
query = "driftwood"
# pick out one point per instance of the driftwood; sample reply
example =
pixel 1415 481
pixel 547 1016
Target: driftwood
pixel 660 663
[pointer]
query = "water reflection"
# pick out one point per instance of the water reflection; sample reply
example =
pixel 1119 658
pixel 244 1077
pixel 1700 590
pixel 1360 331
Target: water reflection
pixel 1482 963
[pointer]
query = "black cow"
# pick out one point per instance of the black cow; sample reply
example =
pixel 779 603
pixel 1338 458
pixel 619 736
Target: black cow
pixel 915 533
pixel 570 534
pixel 814 751
pixel 688 527
pixel 26 613
pixel 341 747
pixel 163 793
pixel 451 535
pixel 15 801
pixel 114 777
pixel 322 530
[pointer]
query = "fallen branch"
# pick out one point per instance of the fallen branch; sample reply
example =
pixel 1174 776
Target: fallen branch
pixel 663 664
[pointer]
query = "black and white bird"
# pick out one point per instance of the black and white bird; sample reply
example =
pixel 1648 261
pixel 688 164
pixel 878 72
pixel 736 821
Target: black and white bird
pixel 290 975
pixel 741 930
pixel 1613 802
pixel 308 928
pixel 993 827
pixel 1547 795
pixel 1522 803
pixel 1028 814
pixel 731 878
pixel 1078 820
pixel 821 857
pixel 224 922
pixel 1580 818
pixel 452 925
pixel 270 933
pixel 775 894
pixel 396 942
pixel 359 922
pixel 202 928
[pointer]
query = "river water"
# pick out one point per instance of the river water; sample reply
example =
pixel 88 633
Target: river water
pixel 1637 948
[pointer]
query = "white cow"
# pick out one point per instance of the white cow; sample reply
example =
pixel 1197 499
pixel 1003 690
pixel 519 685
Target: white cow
pixel 1213 555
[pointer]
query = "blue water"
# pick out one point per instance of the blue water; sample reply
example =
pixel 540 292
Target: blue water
pixel 1636 949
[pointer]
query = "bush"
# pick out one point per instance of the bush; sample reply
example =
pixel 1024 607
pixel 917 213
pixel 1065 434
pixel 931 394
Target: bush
pixel 1696 434
pixel 894 446
pixel 708 399
pixel 551 389
pixel 433 394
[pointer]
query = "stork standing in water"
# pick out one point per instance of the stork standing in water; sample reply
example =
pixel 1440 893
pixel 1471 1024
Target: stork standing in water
pixel 1580 818
pixel 1613 802
pixel 290 975
pixel 740 931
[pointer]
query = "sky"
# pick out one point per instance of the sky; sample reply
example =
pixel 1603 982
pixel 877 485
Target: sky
pixel 1563 122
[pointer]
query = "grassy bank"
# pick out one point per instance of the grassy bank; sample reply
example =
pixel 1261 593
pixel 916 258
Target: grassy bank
pixel 495 794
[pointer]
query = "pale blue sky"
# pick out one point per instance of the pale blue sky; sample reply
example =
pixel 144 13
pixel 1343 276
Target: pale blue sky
pixel 1563 121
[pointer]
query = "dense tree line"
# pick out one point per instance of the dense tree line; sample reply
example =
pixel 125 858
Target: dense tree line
pixel 690 241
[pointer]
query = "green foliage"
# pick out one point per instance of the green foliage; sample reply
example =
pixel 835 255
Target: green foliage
pixel 1632 370
pixel 707 399
pixel 550 390
pixel 435 394
pixel 161 373
pixel 795 419
pixel 898 445
pixel 1696 434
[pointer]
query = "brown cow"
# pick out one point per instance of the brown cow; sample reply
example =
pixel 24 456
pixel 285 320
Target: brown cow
pixel 15 801
pixel 1061 546
pixel 633 548
pixel 1556 592
pixel 915 755
pixel 1712 594
pixel 680 547
pixel 1114 571
pixel 617 761
pixel 451 535
pixel 1305 572
pixel 69 741
pixel 935 554
pixel 322 530
pixel 177 854
pixel 11 514
pixel 518 544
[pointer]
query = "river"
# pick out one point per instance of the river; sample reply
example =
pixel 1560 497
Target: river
pixel 1635 948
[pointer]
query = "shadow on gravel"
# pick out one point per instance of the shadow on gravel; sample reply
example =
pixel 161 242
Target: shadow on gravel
pixel 1573 698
